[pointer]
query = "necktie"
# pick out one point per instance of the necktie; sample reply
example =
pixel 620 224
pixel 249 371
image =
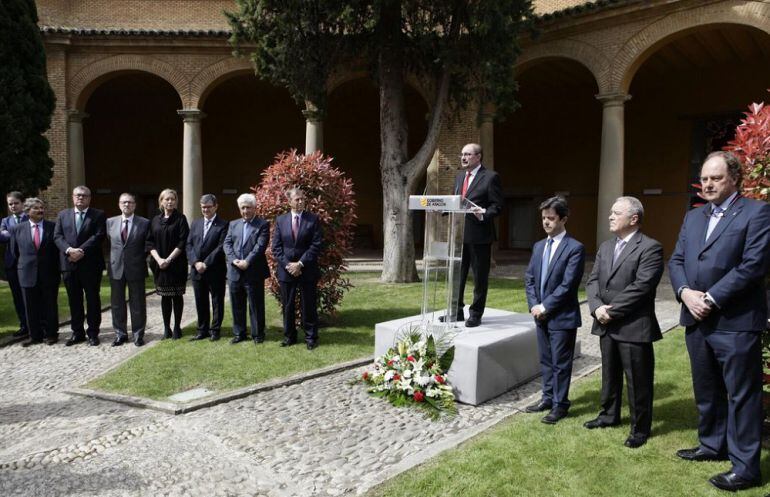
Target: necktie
pixel 246 234
pixel 618 249
pixel 716 215
pixel 544 266
pixel 295 227
pixel 465 183
pixel 36 236
pixel 124 231
pixel 206 227
pixel 79 221
pixel 16 218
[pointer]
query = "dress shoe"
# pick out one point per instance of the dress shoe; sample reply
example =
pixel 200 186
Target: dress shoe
pixel 73 340
pixel 167 333
pixel 200 336
pixel 287 343
pixel 472 322
pixel 539 407
pixel 139 342
pixel 51 341
pixel 93 342
pixel 237 340
pixel 177 334
pixel 698 454
pixel 554 417
pixel 31 342
pixel 731 482
pixel 214 337
pixel 119 341
pixel 259 339
pixel 312 345
pixel 20 333
pixel 635 441
pixel 598 423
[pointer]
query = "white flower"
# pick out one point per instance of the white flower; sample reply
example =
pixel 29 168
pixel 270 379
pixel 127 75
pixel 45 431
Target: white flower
pixel 405 384
pixel 423 381
pixel 407 373
pixel 389 375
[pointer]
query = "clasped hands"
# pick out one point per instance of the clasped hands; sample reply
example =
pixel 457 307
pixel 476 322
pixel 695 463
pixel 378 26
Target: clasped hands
pixel 75 254
pixel 241 264
pixel 696 303
pixel 200 267
pixel 294 269
pixel 602 315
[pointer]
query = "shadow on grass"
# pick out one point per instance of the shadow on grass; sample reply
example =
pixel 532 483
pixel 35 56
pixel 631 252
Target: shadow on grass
pixel 589 401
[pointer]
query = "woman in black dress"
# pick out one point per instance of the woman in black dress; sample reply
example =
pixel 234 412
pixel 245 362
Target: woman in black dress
pixel 166 242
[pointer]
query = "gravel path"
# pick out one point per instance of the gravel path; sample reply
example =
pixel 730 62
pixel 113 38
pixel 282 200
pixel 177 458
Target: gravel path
pixel 320 437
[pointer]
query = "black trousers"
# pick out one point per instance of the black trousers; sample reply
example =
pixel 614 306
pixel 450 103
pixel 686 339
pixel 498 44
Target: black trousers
pixel 18 296
pixel 42 309
pixel 137 305
pixel 213 290
pixel 79 283
pixel 476 257
pixel 254 294
pixel 308 300
pixel 637 362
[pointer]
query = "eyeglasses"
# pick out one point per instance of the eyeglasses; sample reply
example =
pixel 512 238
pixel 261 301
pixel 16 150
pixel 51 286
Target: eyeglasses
pixel 468 154
pixel 127 202
pixel 81 195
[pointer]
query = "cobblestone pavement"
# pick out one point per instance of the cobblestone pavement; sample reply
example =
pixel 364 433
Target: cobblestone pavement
pixel 320 437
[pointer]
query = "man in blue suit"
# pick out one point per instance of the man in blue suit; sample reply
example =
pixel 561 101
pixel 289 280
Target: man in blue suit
pixel 207 268
pixel 79 235
pixel 244 246
pixel 297 241
pixel 717 271
pixel 16 216
pixel 552 281
pixel 37 266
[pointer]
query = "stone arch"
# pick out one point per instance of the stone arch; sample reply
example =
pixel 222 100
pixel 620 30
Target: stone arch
pixel 423 87
pixel 87 79
pixel 207 79
pixel 581 52
pixel 638 48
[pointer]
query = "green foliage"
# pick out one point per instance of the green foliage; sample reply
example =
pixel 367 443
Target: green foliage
pixel 26 100
pixel 298 44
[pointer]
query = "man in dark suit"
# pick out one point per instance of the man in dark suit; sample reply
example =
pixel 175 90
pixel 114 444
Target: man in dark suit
pixel 128 267
pixel 621 297
pixel 551 282
pixel 79 235
pixel 297 241
pixel 37 266
pixel 717 271
pixel 207 267
pixel 16 216
pixel 482 187
pixel 244 246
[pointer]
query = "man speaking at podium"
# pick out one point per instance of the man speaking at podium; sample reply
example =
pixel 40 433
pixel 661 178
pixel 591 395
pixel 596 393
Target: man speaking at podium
pixel 482 187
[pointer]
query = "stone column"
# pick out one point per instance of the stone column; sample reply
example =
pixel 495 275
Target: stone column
pixel 314 129
pixel 77 164
pixel 611 160
pixel 487 136
pixel 192 163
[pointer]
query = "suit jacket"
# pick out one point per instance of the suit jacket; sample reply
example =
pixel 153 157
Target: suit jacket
pixel 629 287
pixel 90 238
pixel 210 250
pixel 251 250
pixel 560 296
pixel 731 265
pixel 304 249
pixel 128 259
pixel 485 191
pixel 35 266
pixel 6 225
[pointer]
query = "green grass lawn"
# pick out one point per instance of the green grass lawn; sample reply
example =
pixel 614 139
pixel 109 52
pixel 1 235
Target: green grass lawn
pixel 524 457
pixel 176 366
pixel 9 322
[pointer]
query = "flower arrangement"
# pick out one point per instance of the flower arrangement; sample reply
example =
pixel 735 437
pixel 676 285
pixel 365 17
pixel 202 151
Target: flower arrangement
pixel 413 374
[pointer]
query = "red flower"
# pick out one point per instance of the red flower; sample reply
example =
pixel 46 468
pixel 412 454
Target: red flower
pixel 419 396
pixel 438 378
pixel 410 358
pixel 396 377
pixel 365 375
pixel 390 362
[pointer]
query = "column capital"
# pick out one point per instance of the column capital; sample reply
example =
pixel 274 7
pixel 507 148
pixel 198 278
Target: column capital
pixel 191 115
pixel 312 113
pixel 613 99
pixel 76 116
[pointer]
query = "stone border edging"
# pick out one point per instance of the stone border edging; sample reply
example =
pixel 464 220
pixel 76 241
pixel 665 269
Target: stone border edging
pixel 176 408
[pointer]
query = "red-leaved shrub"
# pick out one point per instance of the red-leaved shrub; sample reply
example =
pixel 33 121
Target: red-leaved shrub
pixel 752 146
pixel 330 196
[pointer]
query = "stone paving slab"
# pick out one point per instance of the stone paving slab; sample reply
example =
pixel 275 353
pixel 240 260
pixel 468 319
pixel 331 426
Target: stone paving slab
pixel 316 438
